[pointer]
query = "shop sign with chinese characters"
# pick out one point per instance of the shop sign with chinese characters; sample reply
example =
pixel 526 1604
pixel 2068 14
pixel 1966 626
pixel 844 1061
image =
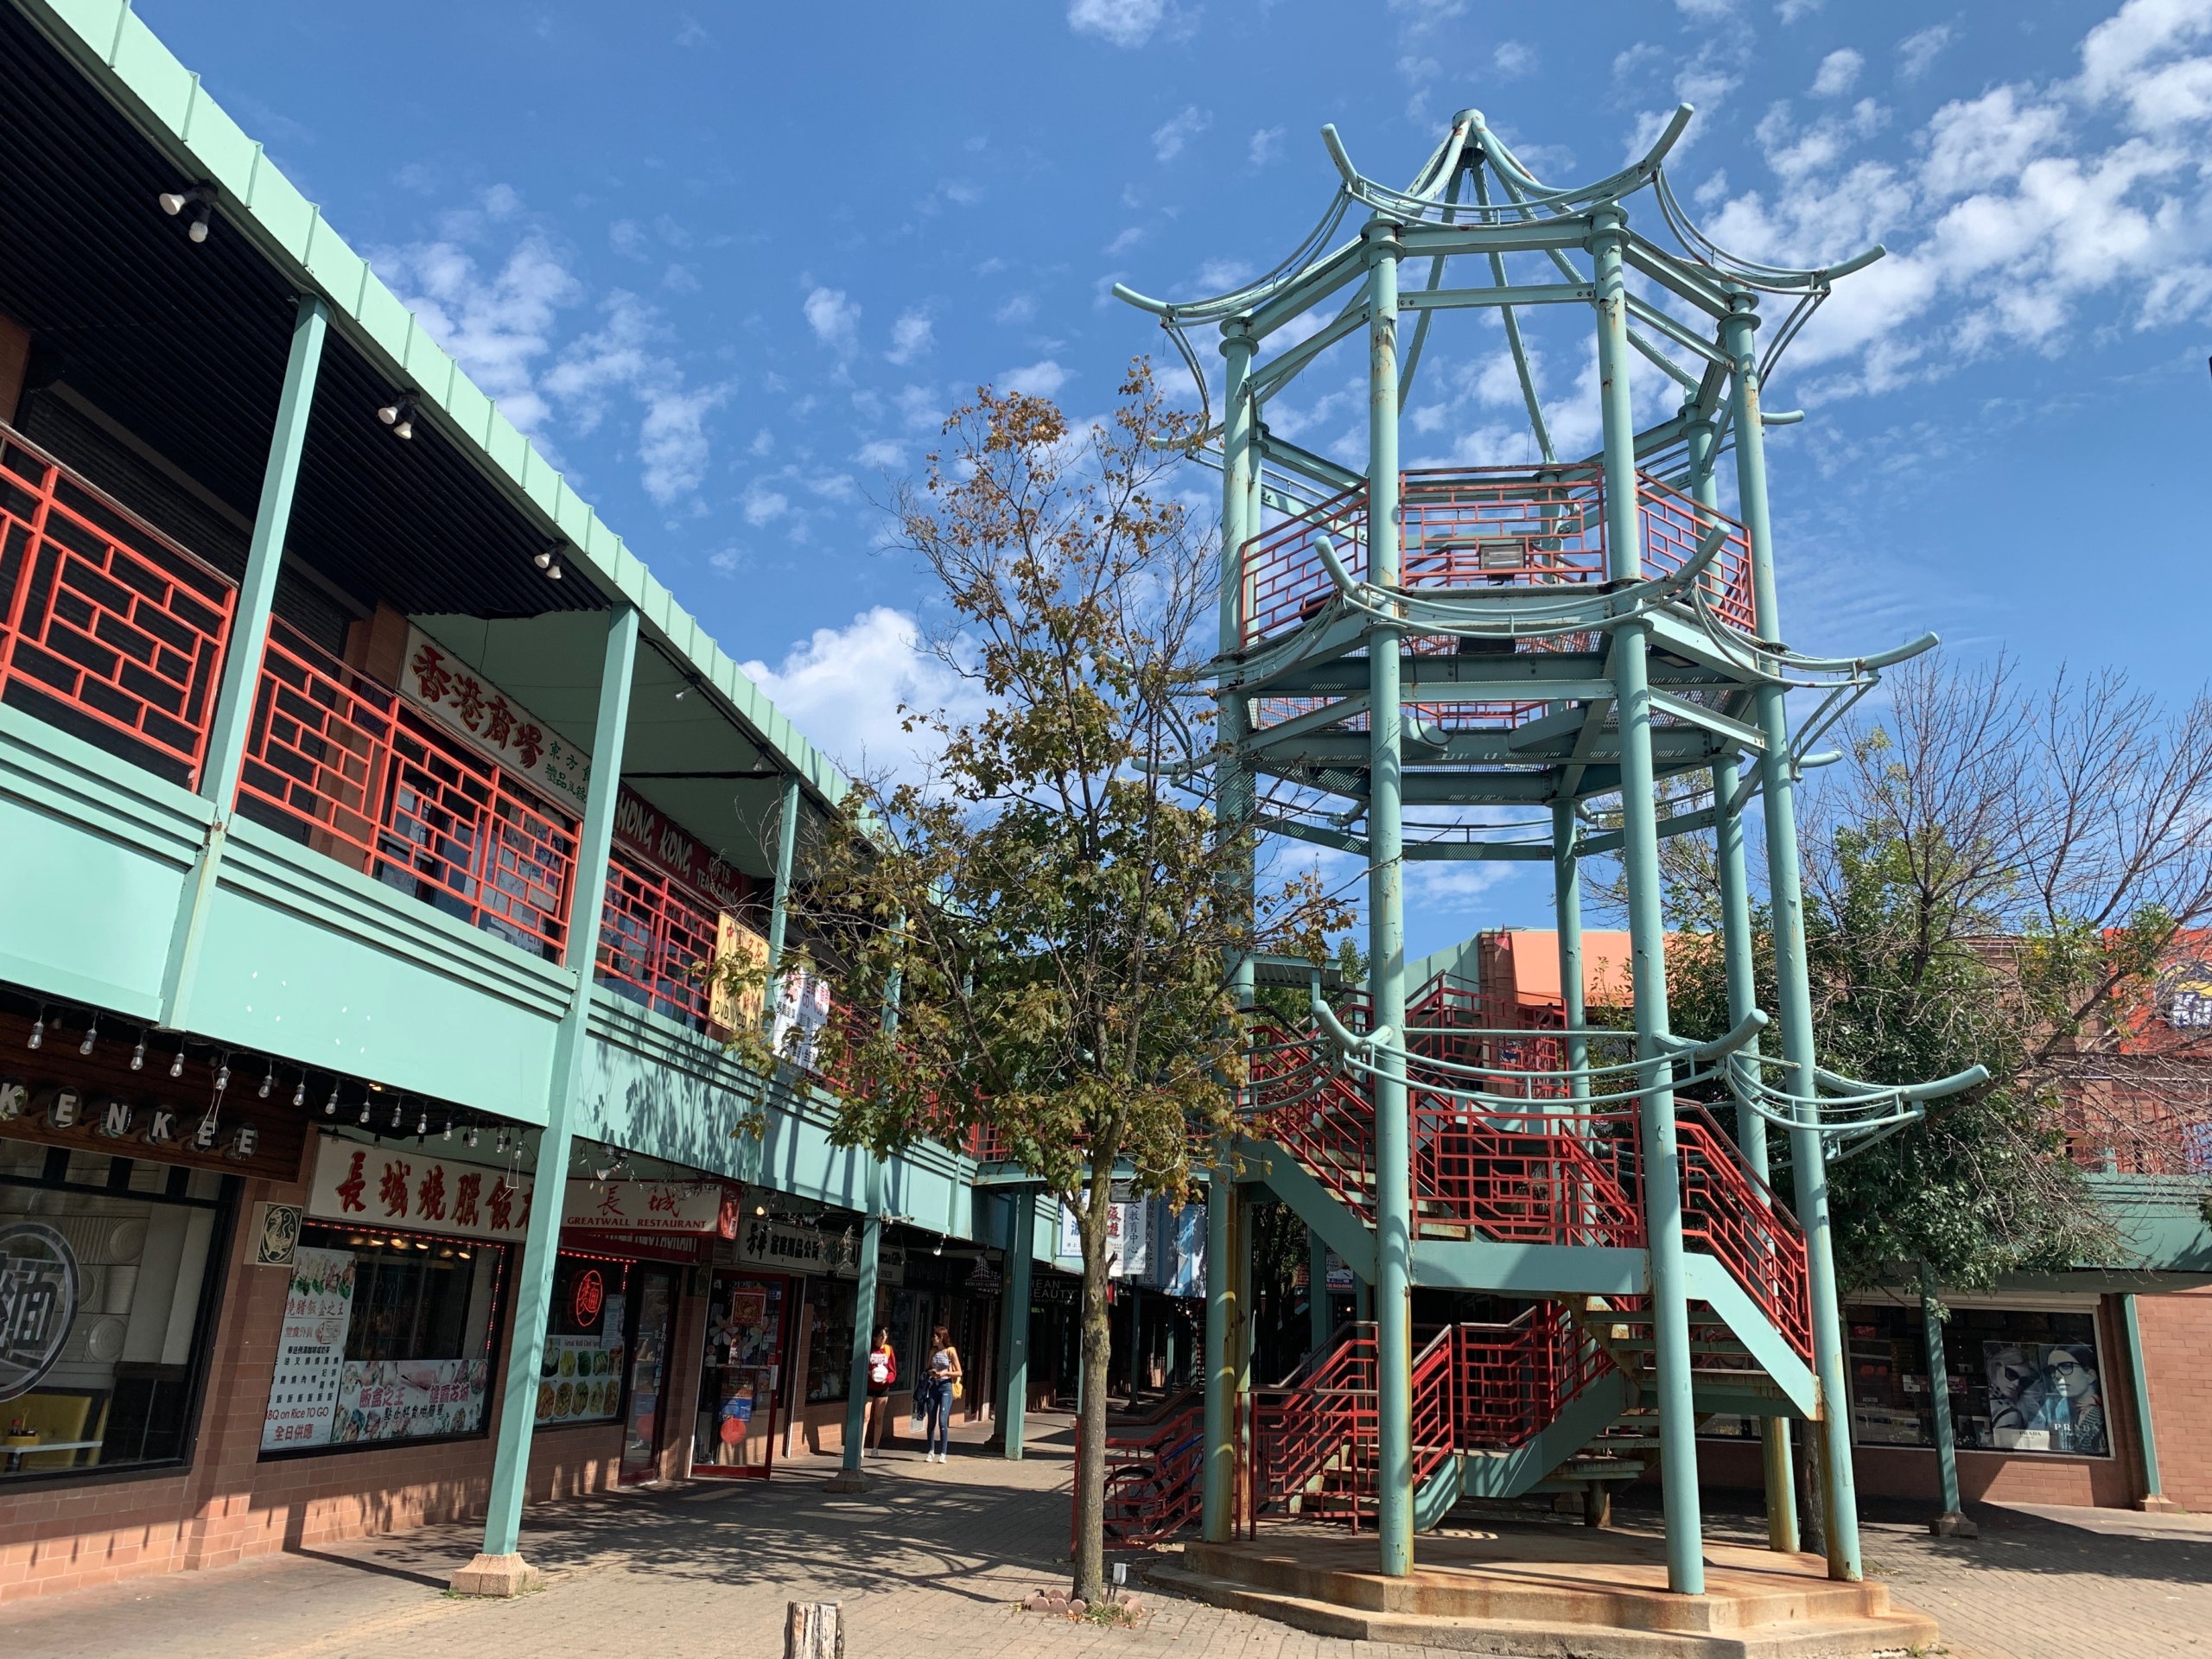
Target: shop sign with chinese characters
pixel 404 1187
pixel 647 1206
pixel 458 698
pixel 762 1242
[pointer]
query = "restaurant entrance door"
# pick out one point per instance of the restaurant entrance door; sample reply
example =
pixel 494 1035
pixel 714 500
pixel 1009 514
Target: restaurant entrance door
pixel 643 1430
pixel 741 1374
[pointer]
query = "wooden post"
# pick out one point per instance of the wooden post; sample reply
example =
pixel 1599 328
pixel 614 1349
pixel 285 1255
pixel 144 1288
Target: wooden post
pixel 814 1629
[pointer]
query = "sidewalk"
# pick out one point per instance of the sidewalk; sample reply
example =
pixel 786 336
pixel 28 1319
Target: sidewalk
pixel 932 1559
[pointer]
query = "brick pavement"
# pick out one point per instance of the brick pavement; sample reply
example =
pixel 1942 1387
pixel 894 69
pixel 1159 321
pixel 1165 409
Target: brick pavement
pixel 932 1559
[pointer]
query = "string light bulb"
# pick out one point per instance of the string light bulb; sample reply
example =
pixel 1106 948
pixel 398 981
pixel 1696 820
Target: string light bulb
pixel 138 1053
pixel 300 1091
pixel 92 1036
pixel 38 1031
pixel 365 1113
pixel 223 1075
pixel 177 1062
pixel 398 1111
pixel 268 1082
pixel 330 1106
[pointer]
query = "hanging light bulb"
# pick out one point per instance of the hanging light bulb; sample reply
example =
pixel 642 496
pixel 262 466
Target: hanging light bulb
pixel 422 1124
pixel 38 1031
pixel 268 1082
pixel 223 1075
pixel 92 1036
pixel 470 1137
pixel 364 1114
pixel 330 1106
pixel 502 1144
pixel 300 1091
pixel 398 1111
pixel 177 1062
pixel 138 1055
pixel 447 1136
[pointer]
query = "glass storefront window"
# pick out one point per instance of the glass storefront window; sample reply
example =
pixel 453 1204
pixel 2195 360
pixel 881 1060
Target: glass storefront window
pixel 580 1376
pixel 830 1355
pixel 107 1301
pixel 387 1337
pixel 2022 1381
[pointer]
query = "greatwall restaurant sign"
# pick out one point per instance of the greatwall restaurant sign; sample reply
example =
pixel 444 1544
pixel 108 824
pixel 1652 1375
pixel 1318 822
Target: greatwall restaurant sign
pixel 645 1206
pixel 406 1187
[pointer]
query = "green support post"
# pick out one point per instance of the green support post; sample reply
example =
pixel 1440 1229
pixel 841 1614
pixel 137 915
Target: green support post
pixel 1750 1128
pixel 1793 982
pixel 1567 913
pixel 1320 1326
pixel 1014 1337
pixel 501 1570
pixel 233 717
pixel 1743 996
pixel 1386 929
pixel 1662 1197
pixel 1952 1522
pixel 849 1477
pixel 779 897
pixel 1217 1474
pixel 2154 1499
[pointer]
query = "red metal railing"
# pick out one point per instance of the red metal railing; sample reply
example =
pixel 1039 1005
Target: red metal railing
pixel 1466 528
pixel 1510 1382
pixel 1729 1212
pixel 1312 1438
pixel 1152 1488
pixel 385 788
pixel 1539 1178
pixel 105 616
pixel 655 940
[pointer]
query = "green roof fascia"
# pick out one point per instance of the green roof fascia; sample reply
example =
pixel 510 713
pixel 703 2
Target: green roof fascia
pixel 131 67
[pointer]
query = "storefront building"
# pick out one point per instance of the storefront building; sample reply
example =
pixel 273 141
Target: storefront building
pixel 367 1138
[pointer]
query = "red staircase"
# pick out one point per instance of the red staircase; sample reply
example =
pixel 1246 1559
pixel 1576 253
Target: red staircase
pixel 1151 1486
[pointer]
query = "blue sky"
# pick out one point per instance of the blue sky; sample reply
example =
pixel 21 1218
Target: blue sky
pixel 731 271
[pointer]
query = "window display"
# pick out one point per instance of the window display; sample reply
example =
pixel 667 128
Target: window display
pixel 743 1365
pixel 106 1303
pixel 2022 1380
pixel 580 1378
pixel 387 1336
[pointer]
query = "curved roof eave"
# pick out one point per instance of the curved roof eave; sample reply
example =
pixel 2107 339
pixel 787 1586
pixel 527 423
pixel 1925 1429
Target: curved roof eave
pixel 135 71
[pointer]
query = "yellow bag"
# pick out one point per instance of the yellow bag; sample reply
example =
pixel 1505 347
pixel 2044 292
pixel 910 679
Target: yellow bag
pixel 956 1388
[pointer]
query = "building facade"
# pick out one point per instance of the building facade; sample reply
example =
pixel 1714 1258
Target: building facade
pixel 369 1152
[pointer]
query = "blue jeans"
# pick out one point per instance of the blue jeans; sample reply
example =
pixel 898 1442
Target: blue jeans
pixel 937 1408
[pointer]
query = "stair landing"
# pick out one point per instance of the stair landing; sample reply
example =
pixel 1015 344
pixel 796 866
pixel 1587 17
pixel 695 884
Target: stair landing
pixel 1549 1591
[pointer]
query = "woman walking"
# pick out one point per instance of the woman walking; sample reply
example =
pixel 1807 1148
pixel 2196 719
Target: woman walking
pixel 943 1389
pixel 882 1372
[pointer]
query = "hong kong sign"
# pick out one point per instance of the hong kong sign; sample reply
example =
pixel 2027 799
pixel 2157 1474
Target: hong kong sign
pixel 405 1187
pixel 38 1300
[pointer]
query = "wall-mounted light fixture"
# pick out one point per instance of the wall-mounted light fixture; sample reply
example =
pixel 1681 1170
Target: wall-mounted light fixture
pixel 198 200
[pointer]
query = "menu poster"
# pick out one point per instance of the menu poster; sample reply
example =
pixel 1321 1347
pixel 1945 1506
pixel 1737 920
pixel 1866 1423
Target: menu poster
pixel 409 1399
pixel 310 1350
pixel 580 1378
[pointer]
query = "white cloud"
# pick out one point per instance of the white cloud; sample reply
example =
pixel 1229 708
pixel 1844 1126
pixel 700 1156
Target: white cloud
pixel 1266 146
pixel 1987 141
pixel 1042 380
pixel 764 506
pixel 1018 308
pixel 1119 22
pixel 1173 135
pixel 1128 239
pixel 912 336
pixel 2118 59
pixel 1222 276
pixel 836 320
pixel 499 327
pixel 1706 11
pixel 1839 72
pixel 845 687
pixel 1917 52
pixel 882 455
pixel 1513 57
pixel 1795 11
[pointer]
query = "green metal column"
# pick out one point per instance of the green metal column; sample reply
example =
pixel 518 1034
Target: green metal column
pixel 779 897
pixel 1793 983
pixel 1662 1196
pixel 1013 1341
pixel 1320 1326
pixel 1743 996
pixel 1386 929
pixel 1750 1128
pixel 232 716
pixel 1567 912
pixel 1233 784
pixel 864 1327
pixel 2146 1434
pixel 534 1277
pixel 1951 1523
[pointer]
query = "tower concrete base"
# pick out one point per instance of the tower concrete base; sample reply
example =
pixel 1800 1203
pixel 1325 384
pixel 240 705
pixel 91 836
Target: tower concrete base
pixel 1550 1591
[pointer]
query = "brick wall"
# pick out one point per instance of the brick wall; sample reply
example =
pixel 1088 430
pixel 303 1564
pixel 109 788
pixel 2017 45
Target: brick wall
pixel 230 1504
pixel 2178 1360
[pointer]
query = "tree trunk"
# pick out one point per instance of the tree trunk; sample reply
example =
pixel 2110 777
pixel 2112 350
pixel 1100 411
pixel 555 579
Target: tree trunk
pixel 1091 1424
pixel 1812 1490
pixel 814 1629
